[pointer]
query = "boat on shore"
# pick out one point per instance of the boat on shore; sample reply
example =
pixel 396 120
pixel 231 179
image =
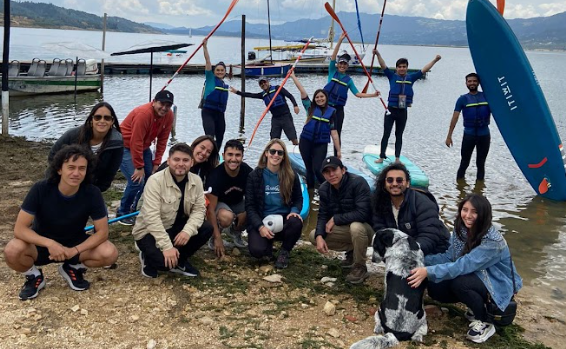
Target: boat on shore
pixel 257 70
pixel 62 77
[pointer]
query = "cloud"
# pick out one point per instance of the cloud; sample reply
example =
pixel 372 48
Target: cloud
pixel 182 7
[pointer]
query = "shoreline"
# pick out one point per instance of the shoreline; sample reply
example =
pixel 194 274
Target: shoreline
pixel 230 303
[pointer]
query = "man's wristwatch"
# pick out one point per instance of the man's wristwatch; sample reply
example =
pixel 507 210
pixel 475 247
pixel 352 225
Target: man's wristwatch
pixel 139 168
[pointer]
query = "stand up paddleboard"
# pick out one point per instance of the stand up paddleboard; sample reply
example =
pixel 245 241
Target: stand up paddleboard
pixel 304 188
pixel 516 100
pixel 299 165
pixel 371 153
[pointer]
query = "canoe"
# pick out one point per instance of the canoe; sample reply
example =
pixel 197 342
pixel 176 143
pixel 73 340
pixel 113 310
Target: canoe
pixel 371 153
pixel 298 165
pixel 516 100
pixel 34 85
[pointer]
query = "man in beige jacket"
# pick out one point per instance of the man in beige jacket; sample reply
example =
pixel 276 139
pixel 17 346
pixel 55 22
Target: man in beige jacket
pixel 170 226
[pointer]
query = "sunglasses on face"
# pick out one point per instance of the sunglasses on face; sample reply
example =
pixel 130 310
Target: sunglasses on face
pixel 99 117
pixel 399 180
pixel 275 151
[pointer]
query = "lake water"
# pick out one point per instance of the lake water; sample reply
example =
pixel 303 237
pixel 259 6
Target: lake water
pixel 535 228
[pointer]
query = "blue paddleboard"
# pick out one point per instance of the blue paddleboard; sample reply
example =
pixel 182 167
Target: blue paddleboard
pixel 371 153
pixel 299 165
pixel 516 100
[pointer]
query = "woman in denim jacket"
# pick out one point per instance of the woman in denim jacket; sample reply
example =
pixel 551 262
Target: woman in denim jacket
pixel 477 265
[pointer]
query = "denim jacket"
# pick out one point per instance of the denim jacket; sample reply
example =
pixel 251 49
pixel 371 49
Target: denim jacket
pixel 490 261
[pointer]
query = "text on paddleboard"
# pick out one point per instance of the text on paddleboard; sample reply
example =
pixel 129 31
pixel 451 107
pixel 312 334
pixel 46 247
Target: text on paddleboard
pixel 506 89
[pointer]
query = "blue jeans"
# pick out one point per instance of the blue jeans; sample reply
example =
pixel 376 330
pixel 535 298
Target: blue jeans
pixel 133 190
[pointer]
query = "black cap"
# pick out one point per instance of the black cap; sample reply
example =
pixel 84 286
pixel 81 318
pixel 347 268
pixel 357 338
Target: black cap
pixel 331 161
pixel 344 58
pixel 164 96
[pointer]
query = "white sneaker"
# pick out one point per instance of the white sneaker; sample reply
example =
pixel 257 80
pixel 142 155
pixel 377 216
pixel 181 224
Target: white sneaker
pixel 480 331
pixel 227 244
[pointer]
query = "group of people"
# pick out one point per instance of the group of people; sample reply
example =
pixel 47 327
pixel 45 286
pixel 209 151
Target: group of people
pixel 177 216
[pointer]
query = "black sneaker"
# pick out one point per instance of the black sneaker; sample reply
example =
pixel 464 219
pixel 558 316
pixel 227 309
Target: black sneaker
pixel 31 287
pixel 147 270
pixel 128 221
pixel 187 269
pixel 282 260
pixel 74 277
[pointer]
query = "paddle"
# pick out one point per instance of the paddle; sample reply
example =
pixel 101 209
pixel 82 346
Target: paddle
pixel 501 6
pixel 330 10
pixel 278 90
pixel 375 46
pixel 234 2
pixel 110 221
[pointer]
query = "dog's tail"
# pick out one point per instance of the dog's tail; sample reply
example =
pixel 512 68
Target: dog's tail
pixel 387 340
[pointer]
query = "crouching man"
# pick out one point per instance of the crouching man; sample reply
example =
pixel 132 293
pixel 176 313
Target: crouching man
pixel 51 221
pixel 169 228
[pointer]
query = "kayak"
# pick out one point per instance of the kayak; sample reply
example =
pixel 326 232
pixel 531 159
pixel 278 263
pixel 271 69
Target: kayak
pixel 371 153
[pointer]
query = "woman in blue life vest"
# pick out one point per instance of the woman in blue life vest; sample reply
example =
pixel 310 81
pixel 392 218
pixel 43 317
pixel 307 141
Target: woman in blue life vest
pixel 475 108
pixel 318 130
pixel 339 83
pixel 400 98
pixel 214 98
pixel 281 118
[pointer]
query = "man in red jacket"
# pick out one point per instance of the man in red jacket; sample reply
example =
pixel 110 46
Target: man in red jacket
pixel 145 124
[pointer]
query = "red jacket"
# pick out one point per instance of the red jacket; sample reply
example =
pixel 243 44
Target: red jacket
pixel 141 127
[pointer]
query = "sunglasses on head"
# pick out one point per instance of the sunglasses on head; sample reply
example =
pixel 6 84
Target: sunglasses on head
pixel 99 117
pixel 275 151
pixel 399 180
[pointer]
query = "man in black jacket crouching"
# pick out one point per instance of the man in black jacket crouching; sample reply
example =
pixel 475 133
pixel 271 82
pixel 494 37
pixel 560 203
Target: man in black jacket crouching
pixel 344 218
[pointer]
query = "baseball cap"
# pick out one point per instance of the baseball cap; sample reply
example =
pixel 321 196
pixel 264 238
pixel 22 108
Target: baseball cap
pixel 331 161
pixel 164 96
pixel 262 78
pixel 344 58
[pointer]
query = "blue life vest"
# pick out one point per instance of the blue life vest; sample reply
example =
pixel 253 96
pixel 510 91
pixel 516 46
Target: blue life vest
pixel 218 98
pixel 267 96
pixel 476 112
pixel 337 90
pixel 317 129
pixel 399 85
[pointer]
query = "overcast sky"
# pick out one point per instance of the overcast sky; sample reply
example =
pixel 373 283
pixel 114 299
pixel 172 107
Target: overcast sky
pixel 197 13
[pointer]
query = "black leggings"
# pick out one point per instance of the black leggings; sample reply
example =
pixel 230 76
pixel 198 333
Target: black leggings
pixel 469 142
pixel 399 118
pixel 468 289
pixel 338 123
pixel 260 246
pixel 313 155
pixel 214 124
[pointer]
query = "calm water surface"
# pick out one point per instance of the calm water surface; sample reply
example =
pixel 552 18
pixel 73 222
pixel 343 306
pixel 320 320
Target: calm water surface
pixel 535 228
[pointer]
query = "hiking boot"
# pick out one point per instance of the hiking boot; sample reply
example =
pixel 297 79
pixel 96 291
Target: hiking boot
pixel 358 274
pixel 74 277
pixel 186 269
pixel 147 270
pixel 469 315
pixel 348 262
pixel 480 331
pixel 282 260
pixel 226 244
pixel 237 238
pixel 32 286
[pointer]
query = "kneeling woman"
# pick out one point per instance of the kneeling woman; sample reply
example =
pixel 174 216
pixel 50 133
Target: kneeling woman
pixel 316 134
pixel 476 267
pixel 273 188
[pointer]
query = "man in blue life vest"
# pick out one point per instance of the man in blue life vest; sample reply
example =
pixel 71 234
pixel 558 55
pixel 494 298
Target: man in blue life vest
pixel 338 85
pixel 475 109
pixel 400 98
pixel 281 118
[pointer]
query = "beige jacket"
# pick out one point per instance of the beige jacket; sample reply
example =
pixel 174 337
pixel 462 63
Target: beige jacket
pixel 161 198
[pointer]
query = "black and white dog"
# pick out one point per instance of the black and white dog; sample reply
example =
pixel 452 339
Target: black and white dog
pixel 401 315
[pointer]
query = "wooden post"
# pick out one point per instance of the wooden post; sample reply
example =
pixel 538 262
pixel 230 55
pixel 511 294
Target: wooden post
pixel 243 76
pixel 103 48
pixel 5 68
